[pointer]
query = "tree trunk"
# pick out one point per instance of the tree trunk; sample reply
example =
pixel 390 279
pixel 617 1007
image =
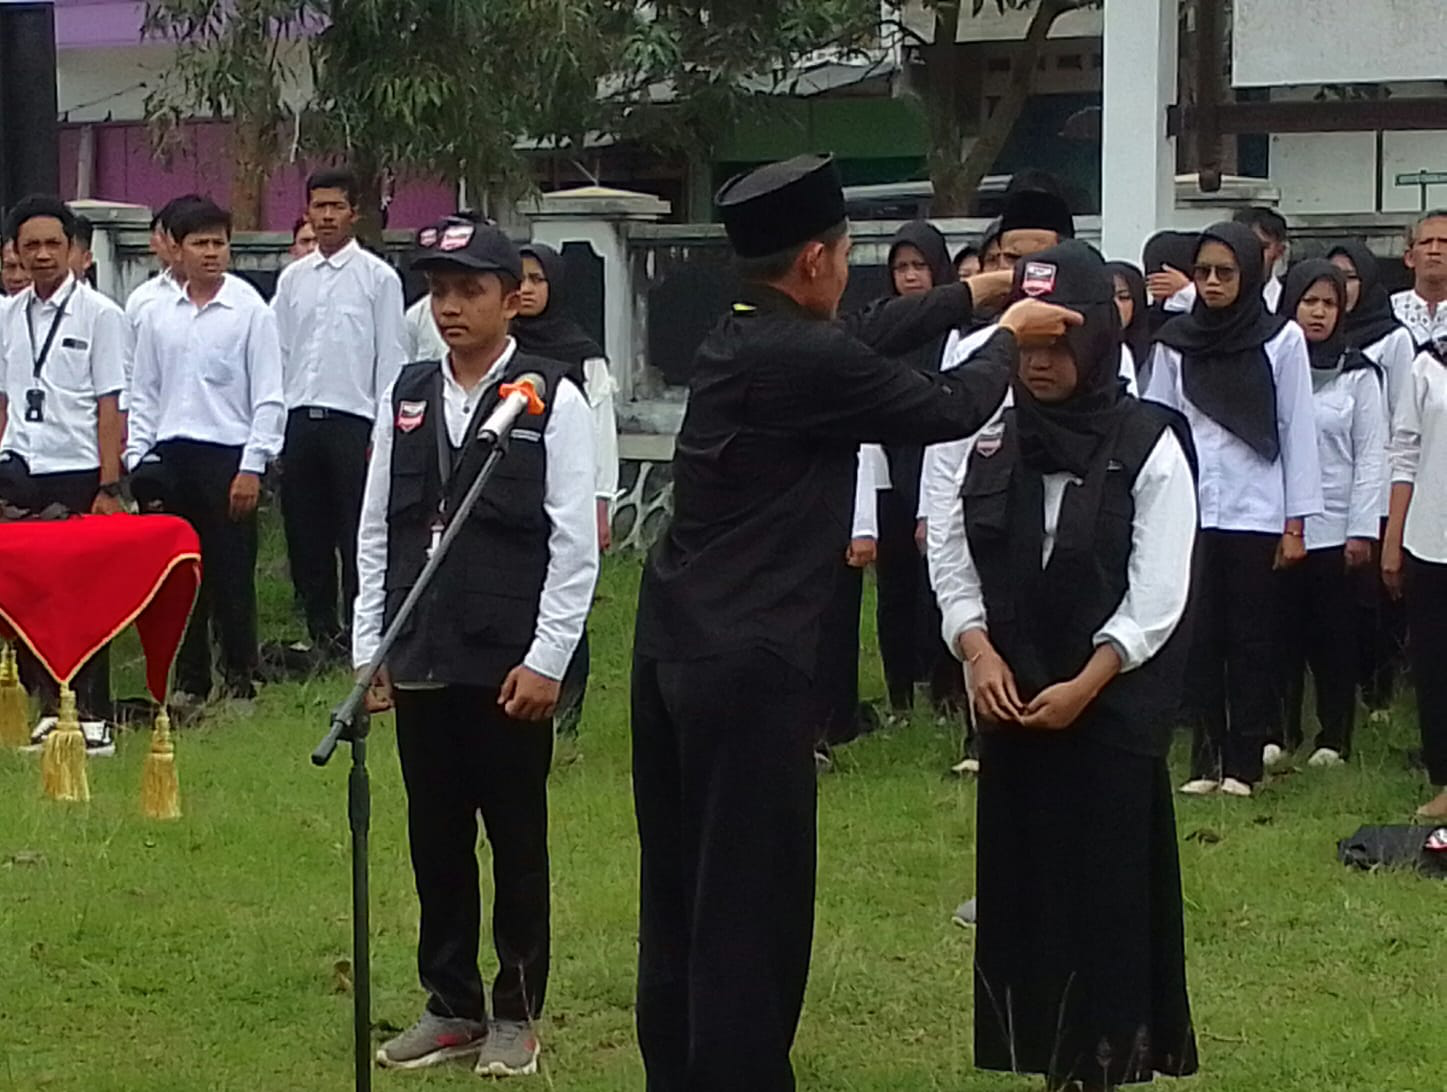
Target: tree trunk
pixel 942 108
pixel 251 145
pixel 955 182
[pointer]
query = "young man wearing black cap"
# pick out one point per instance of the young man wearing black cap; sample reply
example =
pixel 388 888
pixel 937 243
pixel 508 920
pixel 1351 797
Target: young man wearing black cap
pixel 723 769
pixel 475 677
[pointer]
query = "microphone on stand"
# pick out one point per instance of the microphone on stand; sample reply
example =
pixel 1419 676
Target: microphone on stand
pixel 523 394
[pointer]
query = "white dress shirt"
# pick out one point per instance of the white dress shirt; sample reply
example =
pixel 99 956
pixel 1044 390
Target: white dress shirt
pixel 209 373
pixel 89 359
pixel 1271 293
pixel 1239 490
pixel 1351 440
pixel 1163 533
pixel 424 339
pixel 1417 316
pixel 599 388
pixel 339 320
pixel 942 460
pixel 1419 458
pixel 568 501
pixel 871 476
pixel 162 286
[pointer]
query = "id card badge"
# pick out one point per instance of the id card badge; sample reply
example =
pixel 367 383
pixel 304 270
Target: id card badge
pixel 437 530
pixel 34 406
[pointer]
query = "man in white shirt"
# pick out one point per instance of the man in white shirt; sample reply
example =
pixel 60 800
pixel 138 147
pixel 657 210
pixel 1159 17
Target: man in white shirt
pixel 167 283
pixel 207 413
pixel 13 277
pixel 1420 308
pixel 64 352
pixel 1270 227
pixel 339 321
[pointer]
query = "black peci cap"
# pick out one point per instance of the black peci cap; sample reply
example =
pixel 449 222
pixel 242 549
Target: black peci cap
pixel 457 245
pixel 782 205
pixel 1038 210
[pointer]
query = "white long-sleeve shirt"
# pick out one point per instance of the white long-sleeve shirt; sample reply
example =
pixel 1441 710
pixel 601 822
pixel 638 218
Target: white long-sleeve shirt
pixel 1238 489
pixel 951 454
pixel 1352 445
pixel 339 320
pixel 89 358
pixel 599 388
pixel 162 286
pixel 568 501
pixel 1419 458
pixel 872 476
pixel 1425 323
pixel 209 373
pixel 424 340
pixel 1163 534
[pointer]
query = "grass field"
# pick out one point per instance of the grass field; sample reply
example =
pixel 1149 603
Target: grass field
pixel 201 955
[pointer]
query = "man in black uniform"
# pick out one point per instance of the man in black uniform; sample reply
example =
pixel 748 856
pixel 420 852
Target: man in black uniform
pixel 781 397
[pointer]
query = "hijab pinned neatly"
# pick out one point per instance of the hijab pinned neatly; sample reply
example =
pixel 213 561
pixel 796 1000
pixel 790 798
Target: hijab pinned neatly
pixel 1064 436
pixel 1331 357
pixel 1136 335
pixel 1225 370
pixel 1373 317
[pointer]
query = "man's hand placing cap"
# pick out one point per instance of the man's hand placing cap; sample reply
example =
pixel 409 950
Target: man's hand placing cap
pixel 1036 323
pixel 990 289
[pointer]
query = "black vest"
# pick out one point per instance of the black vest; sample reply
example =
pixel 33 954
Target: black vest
pixel 478 618
pixel 1043 622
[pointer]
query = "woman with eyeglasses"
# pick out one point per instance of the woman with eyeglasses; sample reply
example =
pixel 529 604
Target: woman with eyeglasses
pixel 1242 378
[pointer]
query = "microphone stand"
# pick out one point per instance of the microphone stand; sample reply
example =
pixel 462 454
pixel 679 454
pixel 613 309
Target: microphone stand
pixel 351 723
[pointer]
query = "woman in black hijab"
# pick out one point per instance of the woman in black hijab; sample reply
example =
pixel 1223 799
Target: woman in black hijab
pixel 1318 619
pixel 1242 378
pixel 1130 299
pixel 1063 578
pixel 543 328
pixel 1371 325
pixel 1167 258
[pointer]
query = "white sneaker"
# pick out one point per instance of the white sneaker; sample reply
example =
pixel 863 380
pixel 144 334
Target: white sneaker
pixel 1201 786
pixel 966 914
pixel 968 766
pixel 1232 787
pixel 1324 757
pixel 1271 756
pixel 100 741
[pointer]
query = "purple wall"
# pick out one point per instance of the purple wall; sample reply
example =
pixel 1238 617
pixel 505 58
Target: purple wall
pixel 125 170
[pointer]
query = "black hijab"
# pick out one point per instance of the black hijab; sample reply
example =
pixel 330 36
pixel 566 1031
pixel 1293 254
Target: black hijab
pixel 1334 354
pixel 553 334
pixel 1373 318
pixel 1176 249
pixel 1064 436
pixel 926 238
pixel 1137 336
pixel 1224 367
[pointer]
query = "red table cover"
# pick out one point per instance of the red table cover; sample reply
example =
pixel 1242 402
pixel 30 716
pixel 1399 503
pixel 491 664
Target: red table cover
pixel 67 587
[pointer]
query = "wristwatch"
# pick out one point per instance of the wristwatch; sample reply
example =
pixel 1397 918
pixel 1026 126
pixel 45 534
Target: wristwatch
pixel 110 489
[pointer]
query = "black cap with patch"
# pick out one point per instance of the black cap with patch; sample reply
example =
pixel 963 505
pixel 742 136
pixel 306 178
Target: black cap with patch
pixel 782 205
pixel 1038 210
pixel 455 245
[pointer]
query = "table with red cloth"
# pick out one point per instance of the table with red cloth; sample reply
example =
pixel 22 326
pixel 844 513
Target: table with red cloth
pixel 69 586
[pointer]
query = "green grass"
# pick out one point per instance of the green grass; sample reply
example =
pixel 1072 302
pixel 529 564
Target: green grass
pixel 201 954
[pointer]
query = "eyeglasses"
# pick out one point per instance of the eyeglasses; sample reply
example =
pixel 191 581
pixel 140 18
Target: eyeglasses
pixel 1224 273
pixel 910 267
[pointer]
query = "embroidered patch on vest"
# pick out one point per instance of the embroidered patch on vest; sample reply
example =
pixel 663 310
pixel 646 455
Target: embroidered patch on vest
pixel 989 440
pixel 410 415
pixel 1039 279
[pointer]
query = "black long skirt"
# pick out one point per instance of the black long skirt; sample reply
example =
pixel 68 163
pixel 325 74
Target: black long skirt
pixel 1080 972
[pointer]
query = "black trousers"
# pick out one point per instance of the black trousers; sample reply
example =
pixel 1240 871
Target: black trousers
pixel 1318 628
pixel 462 755
pixel 76 490
pixel 324 473
pixel 1381 636
pixel 1427 650
pixel 198 489
pixel 1231 679
pixel 723 785
pixel 907 616
pixel 836 673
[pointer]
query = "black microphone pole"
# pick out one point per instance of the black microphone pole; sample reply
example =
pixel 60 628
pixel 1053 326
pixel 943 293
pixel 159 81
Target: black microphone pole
pixel 351 722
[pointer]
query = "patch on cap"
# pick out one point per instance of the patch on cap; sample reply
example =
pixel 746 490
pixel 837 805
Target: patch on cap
pixel 1039 279
pixel 456 236
pixel 427 237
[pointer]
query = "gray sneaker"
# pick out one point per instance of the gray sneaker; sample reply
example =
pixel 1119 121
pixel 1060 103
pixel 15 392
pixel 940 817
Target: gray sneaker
pixel 511 1050
pixel 966 914
pixel 432 1041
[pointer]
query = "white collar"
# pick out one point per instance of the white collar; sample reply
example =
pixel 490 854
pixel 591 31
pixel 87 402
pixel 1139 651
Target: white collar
pixel 55 297
pixel 450 377
pixel 340 258
pixel 226 297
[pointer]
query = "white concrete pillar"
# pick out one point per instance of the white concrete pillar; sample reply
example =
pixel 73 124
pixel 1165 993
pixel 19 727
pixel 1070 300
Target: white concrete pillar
pixel 600 217
pixel 1137 159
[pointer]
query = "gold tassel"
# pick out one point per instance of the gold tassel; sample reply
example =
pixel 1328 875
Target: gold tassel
pixel 14 703
pixel 62 760
pixel 160 789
